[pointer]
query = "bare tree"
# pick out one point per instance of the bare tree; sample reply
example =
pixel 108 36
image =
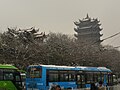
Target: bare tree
pixel 18 46
pixel 23 47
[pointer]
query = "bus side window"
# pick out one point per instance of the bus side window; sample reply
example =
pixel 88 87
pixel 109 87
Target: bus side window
pixel 34 73
pixel 89 77
pixel 95 77
pixel 71 77
pixel 8 76
pixel 53 76
pixel 28 73
pixel 83 78
pixel 63 75
pixel 1 75
pixel 17 78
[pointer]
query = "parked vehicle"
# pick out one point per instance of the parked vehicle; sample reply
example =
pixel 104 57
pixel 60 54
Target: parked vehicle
pixel 10 78
pixel 42 77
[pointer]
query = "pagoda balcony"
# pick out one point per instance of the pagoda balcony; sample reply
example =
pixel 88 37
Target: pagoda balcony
pixel 77 23
pixel 87 27
pixel 93 25
pixel 76 30
pixel 101 35
pixel 76 35
pixel 87 30
pixel 90 34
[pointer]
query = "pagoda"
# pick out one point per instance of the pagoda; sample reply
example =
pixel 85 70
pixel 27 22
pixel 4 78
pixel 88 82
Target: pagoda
pixel 88 30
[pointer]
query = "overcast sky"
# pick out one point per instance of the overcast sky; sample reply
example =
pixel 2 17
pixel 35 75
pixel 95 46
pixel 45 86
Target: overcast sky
pixel 59 15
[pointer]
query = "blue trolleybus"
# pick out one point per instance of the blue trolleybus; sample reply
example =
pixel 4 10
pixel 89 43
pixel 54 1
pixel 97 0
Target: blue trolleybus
pixel 42 77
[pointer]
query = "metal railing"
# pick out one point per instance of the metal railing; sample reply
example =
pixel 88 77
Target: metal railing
pixel 1 88
pixel 115 87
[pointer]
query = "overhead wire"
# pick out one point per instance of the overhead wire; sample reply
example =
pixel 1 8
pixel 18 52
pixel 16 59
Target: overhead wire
pixel 113 40
pixel 117 47
pixel 111 36
pixel 107 38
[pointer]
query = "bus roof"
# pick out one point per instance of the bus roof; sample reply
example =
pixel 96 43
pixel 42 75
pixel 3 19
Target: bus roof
pixel 54 67
pixel 7 66
pixel 102 69
pixel 82 68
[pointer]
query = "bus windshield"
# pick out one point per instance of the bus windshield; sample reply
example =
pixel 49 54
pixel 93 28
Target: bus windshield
pixel 10 75
pixel 34 72
pixel 7 74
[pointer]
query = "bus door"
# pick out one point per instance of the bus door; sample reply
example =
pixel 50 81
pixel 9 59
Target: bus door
pixel 51 76
pixel 80 80
pixel 18 81
pixel 110 79
pixel 34 78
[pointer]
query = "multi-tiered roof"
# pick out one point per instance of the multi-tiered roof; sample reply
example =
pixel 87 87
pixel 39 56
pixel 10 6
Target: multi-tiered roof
pixel 88 30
